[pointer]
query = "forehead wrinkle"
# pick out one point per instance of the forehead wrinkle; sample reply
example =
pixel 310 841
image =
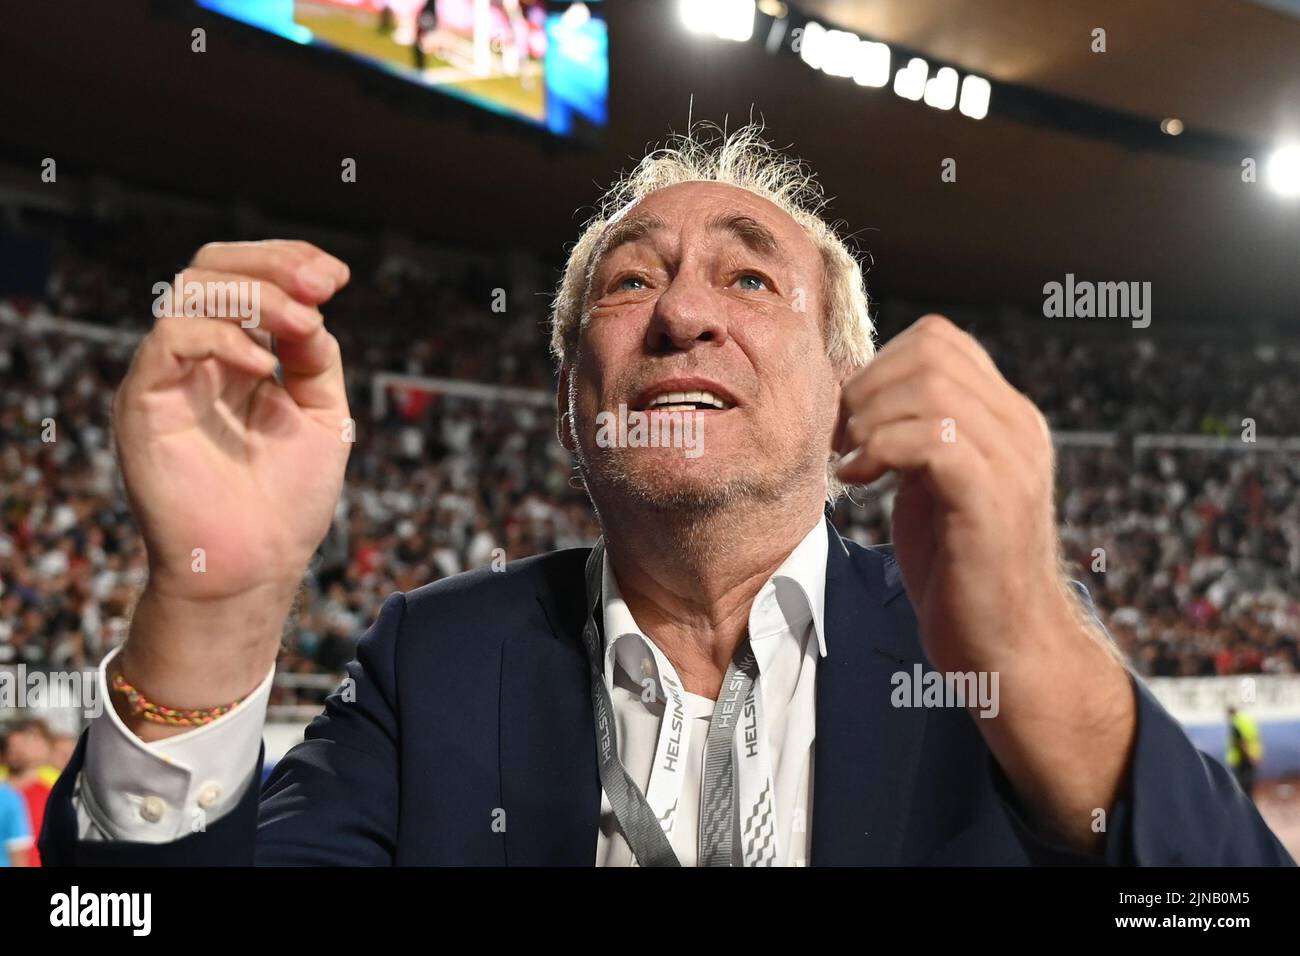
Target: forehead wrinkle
pixel 632 228
pixel 756 236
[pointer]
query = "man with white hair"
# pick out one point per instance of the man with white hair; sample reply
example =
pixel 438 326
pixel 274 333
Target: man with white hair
pixel 722 680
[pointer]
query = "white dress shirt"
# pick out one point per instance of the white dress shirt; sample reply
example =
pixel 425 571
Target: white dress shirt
pixel 163 790
pixel 787 634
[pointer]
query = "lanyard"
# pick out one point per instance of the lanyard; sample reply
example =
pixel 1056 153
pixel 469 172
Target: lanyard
pixel 638 822
pixel 668 773
pixel 759 838
pixel 738 706
pixel 718 793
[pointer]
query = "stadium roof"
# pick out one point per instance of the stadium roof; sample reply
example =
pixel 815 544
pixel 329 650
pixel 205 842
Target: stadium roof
pixel 114 89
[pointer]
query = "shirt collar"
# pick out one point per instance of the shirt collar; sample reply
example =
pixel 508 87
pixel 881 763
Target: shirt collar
pixel 619 623
pixel 805 569
pixel 795 591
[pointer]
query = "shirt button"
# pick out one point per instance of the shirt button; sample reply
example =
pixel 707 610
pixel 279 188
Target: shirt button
pixel 153 809
pixel 209 794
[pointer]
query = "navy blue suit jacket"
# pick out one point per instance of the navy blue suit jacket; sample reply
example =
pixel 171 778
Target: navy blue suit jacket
pixel 472 698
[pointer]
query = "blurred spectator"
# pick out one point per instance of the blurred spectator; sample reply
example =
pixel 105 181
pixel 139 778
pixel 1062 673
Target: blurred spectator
pixel 15 828
pixel 28 746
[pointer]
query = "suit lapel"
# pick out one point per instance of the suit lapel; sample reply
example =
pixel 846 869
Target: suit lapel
pixel 550 787
pixel 866 750
pixel 865 755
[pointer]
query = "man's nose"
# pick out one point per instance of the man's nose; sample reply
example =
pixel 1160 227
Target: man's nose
pixel 686 314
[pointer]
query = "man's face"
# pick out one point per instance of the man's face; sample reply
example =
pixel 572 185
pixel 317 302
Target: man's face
pixel 703 287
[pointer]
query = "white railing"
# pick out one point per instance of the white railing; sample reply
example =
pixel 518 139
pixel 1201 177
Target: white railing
pixel 1216 443
pixel 41 321
pixel 1195 700
pixel 381 382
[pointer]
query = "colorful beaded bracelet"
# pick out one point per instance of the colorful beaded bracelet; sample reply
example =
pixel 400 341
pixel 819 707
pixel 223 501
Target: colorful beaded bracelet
pixel 159 714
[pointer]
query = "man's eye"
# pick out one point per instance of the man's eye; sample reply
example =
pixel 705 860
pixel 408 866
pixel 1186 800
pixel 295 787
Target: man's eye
pixel 630 283
pixel 751 282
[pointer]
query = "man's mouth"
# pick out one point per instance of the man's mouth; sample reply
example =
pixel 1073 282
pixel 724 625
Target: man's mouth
pixel 684 395
pixel 687 402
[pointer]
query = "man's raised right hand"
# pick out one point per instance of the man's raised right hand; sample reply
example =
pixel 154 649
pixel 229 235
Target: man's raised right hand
pixel 232 476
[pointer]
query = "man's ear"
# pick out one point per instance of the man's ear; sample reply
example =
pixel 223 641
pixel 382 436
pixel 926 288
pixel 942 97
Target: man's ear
pixel 841 416
pixel 563 429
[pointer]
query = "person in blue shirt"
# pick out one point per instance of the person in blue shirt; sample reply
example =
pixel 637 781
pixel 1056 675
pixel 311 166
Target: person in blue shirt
pixel 15 830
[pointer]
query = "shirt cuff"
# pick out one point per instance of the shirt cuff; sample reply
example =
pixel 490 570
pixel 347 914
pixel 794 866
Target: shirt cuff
pixel 162 790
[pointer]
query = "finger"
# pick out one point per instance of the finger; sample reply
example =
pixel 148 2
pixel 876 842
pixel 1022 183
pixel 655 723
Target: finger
pixel 929 394
pixel 303 271
pixel 941 326
pixel 916 445
pixel 235 390
pixel 906 356
pixel 918 355
pixel 1011 406
pixel 971 346
pixel 342 274
pixel 254 303
pixel 312 371
pixel 169 352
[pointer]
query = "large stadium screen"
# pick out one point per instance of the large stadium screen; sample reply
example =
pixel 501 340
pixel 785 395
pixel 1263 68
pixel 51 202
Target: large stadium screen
pixel 543 61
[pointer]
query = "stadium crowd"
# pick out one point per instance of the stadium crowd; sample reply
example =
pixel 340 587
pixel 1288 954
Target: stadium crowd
pixel 1192 556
